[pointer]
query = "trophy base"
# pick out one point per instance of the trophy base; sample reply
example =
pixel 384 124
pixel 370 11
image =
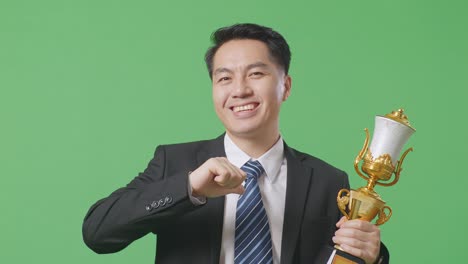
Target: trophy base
pixel 331 255
pixel 341 257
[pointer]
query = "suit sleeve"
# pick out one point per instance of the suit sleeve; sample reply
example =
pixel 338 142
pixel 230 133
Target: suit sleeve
pixel 145 205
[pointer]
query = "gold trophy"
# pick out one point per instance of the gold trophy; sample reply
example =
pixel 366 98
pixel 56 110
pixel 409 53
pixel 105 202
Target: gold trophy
pixel 380 163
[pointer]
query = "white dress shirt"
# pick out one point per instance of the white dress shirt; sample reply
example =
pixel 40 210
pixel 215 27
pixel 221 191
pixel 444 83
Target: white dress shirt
pixel 272 184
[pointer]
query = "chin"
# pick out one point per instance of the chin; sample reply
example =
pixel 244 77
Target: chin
pixel 246 132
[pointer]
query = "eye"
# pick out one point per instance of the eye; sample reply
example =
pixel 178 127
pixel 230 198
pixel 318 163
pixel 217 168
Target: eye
pixel 223 79
pixel 257 74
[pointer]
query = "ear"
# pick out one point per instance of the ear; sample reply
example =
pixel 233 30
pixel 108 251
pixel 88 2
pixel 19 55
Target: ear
pixel 287 87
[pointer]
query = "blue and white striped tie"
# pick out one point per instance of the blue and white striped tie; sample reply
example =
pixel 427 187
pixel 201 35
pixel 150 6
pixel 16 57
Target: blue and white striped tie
pixel 253 238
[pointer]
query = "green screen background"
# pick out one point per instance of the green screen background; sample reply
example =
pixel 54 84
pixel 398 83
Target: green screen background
pixel 90 88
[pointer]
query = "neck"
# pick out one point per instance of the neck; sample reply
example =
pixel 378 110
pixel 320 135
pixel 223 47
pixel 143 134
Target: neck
pixel 255 146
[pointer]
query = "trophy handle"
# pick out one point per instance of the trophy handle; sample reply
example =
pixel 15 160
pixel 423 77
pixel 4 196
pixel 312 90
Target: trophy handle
pixel 343 201
pixel 360 156
pixel 398 169
pixel 383 217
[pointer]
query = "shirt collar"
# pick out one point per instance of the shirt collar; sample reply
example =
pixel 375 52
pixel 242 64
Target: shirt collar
pixel 270 160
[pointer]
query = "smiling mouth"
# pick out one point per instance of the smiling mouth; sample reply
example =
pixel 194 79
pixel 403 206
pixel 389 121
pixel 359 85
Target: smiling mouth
pixel 244 108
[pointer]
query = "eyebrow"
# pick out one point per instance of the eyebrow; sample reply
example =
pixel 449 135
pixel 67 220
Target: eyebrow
pixel 249 67
pixel 221 70
pixel 257 65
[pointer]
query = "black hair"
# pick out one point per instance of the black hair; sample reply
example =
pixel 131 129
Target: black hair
pixel 277 45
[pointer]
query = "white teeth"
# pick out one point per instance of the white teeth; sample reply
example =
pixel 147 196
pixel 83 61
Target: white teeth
pixel 243 107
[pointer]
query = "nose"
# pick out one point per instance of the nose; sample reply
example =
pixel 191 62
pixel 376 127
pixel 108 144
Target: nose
pixel 242 89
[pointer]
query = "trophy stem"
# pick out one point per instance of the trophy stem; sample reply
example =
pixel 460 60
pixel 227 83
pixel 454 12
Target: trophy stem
pixel 371 184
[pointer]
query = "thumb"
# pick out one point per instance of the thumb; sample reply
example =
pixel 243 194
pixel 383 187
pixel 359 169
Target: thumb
pixel 220 180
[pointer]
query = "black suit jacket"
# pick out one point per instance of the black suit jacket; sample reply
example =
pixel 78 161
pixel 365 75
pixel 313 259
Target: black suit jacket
pixel 157 201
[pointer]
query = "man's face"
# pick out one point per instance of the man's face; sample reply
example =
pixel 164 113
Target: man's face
pixel 248 88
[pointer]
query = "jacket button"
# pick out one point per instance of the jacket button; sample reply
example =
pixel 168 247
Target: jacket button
pixel 148 207
pixel 168 199
pixel 162 202
pixel 155 204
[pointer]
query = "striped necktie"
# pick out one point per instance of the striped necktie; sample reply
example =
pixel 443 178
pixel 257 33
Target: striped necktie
pixel 253 238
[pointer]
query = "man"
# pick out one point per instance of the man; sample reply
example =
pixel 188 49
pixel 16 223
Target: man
pixel 245 197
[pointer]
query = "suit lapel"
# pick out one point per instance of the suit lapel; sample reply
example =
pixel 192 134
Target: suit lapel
pixel 298 181
pixel 215 206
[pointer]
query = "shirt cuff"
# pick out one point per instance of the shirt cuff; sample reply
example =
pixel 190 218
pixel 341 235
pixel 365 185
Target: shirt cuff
pixel 196 200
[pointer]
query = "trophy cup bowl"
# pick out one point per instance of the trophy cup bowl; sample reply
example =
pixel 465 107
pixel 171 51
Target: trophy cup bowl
pixel 380 162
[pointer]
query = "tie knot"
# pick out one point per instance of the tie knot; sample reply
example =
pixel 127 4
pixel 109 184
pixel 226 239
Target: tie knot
pixel 253 169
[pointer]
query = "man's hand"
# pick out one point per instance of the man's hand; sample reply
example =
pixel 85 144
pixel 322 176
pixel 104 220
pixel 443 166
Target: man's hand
pixel 217 177
pixel 358 238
